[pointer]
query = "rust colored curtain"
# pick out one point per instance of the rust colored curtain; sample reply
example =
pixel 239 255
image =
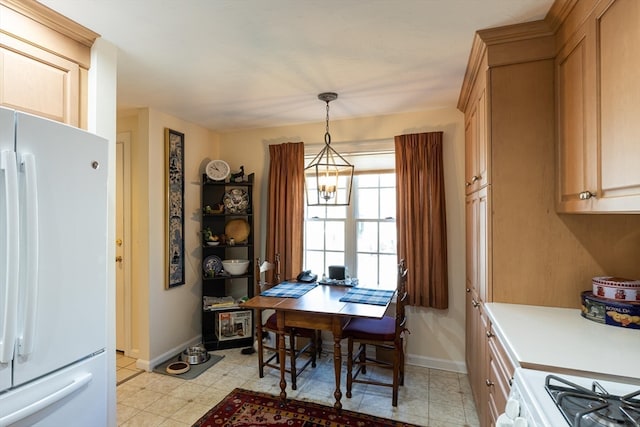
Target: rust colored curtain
pixel 421 219
pixel 285 211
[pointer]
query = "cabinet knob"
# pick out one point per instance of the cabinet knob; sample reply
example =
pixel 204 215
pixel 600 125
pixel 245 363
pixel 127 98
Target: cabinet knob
pixel 118 258
pixel 474 303
pixel 488 383
pixel 467 184
pixel 586 195
pixel 475 178
pixel 467 290
pixel 489 334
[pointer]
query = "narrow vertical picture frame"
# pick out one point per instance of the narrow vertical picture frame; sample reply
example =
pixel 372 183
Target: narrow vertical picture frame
pixel 174 181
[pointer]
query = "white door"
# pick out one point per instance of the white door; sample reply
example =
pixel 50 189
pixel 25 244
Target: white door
pixel 70 258
pixel 123 262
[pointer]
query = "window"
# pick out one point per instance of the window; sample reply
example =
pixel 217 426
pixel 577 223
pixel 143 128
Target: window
pixel 361 236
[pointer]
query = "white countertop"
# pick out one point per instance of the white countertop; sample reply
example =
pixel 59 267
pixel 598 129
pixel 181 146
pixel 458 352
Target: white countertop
pixel 561 340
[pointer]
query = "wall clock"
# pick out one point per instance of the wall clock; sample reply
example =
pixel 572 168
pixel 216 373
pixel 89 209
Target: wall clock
pixel 218 170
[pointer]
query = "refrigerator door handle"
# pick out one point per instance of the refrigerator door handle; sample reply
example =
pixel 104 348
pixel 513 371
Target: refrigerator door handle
pixel 9 283
pixel 31 264
pixel 47 400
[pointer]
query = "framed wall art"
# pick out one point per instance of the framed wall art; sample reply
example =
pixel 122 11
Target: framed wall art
pixel 174 182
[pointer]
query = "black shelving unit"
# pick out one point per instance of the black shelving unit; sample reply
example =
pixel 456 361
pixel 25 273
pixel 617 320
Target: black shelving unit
pixel 227 326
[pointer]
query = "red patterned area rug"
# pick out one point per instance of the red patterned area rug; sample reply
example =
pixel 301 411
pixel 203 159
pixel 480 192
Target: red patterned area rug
pixel 244 408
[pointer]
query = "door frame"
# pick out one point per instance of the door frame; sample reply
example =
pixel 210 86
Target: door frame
pixel 124 139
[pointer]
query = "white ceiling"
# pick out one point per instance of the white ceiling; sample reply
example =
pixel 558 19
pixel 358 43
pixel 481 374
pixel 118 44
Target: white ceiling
pixel 238 64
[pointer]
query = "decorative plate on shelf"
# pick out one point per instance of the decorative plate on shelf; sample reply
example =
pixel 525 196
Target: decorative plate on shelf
pixel 212 263
pixel 237 229
pixel 236 200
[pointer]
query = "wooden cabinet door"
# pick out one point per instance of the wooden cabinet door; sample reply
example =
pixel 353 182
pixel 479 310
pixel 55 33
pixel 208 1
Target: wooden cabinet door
pixel 476 148
pixel 576 123
pixel 39 82
pixel 476 354
pixel 477 288
pixel 618 44
pixel 477 243
pixel 597 101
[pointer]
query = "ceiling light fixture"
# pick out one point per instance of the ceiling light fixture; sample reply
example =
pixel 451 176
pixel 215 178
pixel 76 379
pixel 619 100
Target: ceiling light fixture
pixel 328 177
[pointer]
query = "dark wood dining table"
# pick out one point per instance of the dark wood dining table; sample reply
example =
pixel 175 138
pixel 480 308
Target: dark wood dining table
pixel 320 308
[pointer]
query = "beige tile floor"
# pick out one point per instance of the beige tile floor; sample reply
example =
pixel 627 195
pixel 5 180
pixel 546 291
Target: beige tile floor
pixel 125 368
pixel 429 397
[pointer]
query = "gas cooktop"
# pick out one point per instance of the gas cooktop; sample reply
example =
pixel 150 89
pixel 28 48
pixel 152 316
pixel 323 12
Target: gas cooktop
pixel 595 406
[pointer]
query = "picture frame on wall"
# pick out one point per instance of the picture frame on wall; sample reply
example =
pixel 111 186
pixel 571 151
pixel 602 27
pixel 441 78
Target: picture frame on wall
pixel 174 182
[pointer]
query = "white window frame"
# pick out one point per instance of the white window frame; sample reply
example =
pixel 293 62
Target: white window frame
pixel 350 242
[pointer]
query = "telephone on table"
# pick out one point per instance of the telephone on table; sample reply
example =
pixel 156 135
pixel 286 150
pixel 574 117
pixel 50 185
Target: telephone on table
pixel 307 276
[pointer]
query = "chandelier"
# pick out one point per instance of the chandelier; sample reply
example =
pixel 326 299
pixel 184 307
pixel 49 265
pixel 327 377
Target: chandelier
pixel 328 177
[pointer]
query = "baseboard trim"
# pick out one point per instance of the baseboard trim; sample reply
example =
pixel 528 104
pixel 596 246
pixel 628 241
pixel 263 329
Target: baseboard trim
pixel 413 360
pixel 148 365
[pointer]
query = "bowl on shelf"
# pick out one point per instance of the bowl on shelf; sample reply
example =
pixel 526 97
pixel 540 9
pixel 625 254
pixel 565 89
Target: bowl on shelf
pixel 235 267
pixel 213 242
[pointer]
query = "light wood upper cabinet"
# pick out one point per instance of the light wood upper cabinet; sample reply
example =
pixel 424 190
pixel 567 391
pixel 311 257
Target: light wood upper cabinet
pixel 44 62
pixel 476 140
pixel 598 126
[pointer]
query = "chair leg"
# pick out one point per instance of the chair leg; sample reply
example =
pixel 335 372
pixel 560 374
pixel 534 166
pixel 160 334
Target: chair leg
pixel 292 349
pixel 363 358
pixel 401 352
pixel 396 375
pixel 260 348
pixel 349 366
pixel 312 349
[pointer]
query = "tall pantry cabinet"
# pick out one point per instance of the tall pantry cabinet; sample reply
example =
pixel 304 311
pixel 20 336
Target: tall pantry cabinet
pixel 508 101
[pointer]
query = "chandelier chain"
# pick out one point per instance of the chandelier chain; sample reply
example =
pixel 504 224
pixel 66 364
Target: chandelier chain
pixel 327 135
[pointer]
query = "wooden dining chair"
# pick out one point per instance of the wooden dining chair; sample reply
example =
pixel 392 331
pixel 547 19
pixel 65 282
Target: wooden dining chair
pixel 384 334
pixel 270 326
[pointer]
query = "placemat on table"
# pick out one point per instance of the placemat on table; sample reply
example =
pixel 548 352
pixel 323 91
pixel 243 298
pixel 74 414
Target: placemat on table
pixel 289 290
pixel 368 296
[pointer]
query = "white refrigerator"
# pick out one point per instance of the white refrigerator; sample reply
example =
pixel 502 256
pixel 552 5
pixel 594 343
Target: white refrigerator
pixel 53 273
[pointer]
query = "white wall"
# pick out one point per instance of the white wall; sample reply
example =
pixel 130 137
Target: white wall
pixel 102 121
pixel 437 336
pixel 164 321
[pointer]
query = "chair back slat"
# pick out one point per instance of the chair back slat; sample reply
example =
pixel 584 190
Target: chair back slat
pixel 402 297
pixel 263 268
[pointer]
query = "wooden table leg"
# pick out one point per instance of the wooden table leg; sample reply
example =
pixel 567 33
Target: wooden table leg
pixel 282 356
pixel 337 361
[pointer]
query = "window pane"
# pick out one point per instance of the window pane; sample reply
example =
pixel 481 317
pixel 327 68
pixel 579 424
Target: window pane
pixel 316 211
pixel 388 180
pixel 388 203
pixel 388 271
pixel 333 258
pixel 367 238
pixel 367 180
pixel 335 235
pixel 367 206
pixel 314 235
pixel 314 262
pixel 367 270
pixel 388 237
pixel 338 212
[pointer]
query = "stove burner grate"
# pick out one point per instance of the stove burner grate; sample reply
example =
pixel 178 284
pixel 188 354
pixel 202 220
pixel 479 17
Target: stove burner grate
pixel 583 407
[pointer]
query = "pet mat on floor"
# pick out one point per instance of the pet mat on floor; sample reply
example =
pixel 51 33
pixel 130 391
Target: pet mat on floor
pixel 193 371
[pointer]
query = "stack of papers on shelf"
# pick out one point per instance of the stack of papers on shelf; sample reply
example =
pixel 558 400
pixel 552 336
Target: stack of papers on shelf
pixel 214 303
